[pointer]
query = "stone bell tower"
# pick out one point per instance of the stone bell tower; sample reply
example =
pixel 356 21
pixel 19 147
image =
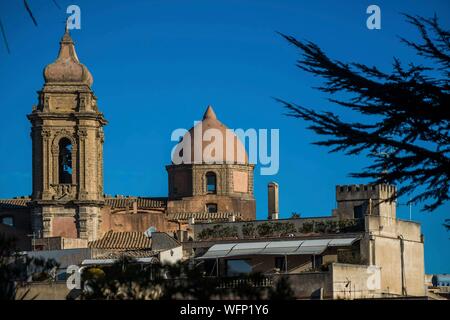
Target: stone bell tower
pixel 67 142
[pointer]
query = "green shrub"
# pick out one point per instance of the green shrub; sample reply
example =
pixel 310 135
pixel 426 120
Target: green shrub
pixel 306 227
pixel 265 229
pixel 218 231
pixel 248 230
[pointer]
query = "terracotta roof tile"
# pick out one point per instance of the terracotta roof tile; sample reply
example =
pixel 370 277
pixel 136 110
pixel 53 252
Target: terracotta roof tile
pixel 15 203
pixel 144 203
pixel 122 241
pixel 203 216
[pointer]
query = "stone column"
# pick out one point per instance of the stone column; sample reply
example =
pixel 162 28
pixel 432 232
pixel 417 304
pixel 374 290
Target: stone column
pixel 46 153
pixel 82 135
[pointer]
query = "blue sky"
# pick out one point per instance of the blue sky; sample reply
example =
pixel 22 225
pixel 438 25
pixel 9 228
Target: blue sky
pixel 158 64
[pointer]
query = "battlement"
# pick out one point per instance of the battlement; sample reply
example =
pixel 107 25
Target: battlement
pixel 357 200
pixel 364 192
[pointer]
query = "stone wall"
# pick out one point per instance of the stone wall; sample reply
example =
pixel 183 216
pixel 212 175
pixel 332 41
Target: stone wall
pixel 371 199
pixel 234 188
pixel 397 247
pixel 141 220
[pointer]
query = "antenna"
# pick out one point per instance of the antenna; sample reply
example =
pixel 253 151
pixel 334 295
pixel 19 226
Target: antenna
pixel 409 204
pixel 149 231
pixel 410 210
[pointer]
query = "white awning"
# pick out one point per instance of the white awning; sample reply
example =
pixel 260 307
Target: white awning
pixel 282 247
pixel 248 248
pixel 313 246
pixel 342 242
pixel 290 247
pixel 218 251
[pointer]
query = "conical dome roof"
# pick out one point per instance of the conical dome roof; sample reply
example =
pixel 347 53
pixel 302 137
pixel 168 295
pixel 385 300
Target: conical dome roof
pixel 67 68
pixel 229 150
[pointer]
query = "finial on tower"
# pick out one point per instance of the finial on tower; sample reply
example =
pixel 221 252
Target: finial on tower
pixel 209 113
pixel 67 25
pixel 67 68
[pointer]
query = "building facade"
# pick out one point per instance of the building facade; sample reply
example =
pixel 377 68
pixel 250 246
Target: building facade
pixel 360 251
pixel 68 198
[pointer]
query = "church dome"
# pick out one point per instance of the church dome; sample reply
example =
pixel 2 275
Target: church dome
pixel 67 68
pixel 227 149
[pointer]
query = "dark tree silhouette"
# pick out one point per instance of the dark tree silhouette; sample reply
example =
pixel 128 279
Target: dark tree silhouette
pixel 32 17
pixel 406 112
pixel 17 269
pixel 126 279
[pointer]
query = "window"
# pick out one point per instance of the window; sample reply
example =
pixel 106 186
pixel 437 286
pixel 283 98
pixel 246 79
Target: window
pixel 358 211
pixel 9 221
pixel 238 267
pixel 211 182
pixel 211 207
pixel 280 263
pixel 316 261
pixel 210 267
pixel 65 161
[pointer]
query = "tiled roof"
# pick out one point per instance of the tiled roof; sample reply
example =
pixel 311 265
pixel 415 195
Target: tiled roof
pixel 162 241
pixel 122 241
pixel 129 253
pixel 144 203
pixel 203 216
pixel 15 203
pixel 116 202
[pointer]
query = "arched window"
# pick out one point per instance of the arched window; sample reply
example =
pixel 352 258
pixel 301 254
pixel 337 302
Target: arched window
pixel 211 182
pixel 65 161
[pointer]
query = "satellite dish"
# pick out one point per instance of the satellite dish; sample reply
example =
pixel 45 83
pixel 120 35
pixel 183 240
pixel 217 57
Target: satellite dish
pixel 149 231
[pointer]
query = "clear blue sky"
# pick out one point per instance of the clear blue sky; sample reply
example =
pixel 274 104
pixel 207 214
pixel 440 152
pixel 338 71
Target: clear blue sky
pixel 158 64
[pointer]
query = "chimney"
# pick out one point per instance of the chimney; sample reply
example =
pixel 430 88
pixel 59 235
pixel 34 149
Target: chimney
pixel 272 197
pixel 135 207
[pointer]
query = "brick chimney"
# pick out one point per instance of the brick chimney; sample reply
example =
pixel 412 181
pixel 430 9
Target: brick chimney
pixel 272 197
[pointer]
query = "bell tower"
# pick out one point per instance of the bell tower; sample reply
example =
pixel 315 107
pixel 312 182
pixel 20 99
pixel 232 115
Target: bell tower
pixel 67 150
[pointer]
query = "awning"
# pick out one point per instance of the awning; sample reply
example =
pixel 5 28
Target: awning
pixel 293 247
pixel 341 242
pixel 282 247
pixel 313 246
pixel 246 248
pixel 218 251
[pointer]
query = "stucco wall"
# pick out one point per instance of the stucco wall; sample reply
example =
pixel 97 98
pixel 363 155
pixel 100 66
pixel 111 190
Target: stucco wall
pixel 44 291
pixel 387 237
pixel 130 221
pixel 307 285
pixel 355 281
pixel 171 256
